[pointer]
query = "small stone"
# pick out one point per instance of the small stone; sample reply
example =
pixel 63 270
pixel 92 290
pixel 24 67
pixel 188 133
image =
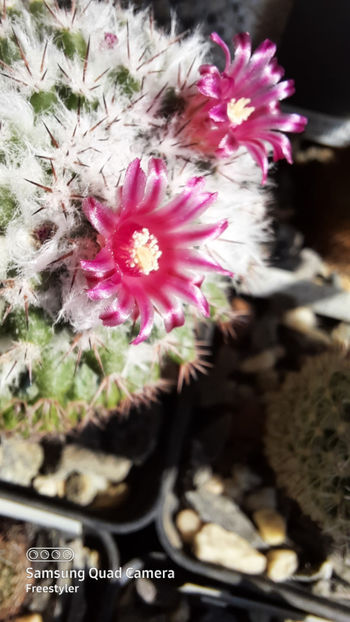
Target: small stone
pixel 303 320
pixel 20 461
pixel 147 590
pixel 272 526
pixel 32 617
pixel 321 573
pixel 216 545
pixel 49 486
pixel 188 524
pixel 202 475
pixel 215 485
pixel 300 318
pixel 82 474
pixel 261 498
pixel 113 497
pixel 81 460
pixel 223 512
pixel 341 334
pixel 263 361
pixel 82 488
pixel 281 564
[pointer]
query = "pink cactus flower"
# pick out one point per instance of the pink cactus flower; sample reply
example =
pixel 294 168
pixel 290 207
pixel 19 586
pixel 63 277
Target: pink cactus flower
pixel 110 40
pixel 240 106
pixel 149 258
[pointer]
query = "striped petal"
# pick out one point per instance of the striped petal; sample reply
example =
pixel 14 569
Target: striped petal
pixel 133 188
pixel 102 218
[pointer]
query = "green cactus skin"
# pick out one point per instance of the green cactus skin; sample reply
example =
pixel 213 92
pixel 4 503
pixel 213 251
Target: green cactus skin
pixel 307 441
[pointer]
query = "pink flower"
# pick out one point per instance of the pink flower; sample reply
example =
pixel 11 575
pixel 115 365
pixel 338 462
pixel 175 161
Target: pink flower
pixel 149 259
pixel 110 40
pixel 240 106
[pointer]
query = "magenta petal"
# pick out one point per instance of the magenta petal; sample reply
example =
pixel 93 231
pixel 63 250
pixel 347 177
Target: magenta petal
pixel 105 289
pixel 258 151
pixel 146 317
pixel 218 113
pixel 193 260
pixel 171 310
pixel 134 186
pixel 102 218
pixel 100 266
pixel 280 144
pixel 199 233
pixel 119 311
pixel 242 55
pixel 217 39
pixel 261 57
pixel 227 146
pixel 276 93
pixel 179 206
pixel 190 293
pixel 173 318
pixel 197 206
pixel 207 69
pixel 157 180
pixel 210 85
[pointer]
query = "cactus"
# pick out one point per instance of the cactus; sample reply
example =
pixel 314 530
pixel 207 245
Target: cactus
pixel 13 564
pixel 89 98
pixel 307 440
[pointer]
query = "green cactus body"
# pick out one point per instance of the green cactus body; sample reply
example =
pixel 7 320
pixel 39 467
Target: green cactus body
pixel 307 440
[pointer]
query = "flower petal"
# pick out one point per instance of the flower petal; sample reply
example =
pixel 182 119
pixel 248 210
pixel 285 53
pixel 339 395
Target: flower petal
pixel 242 55
pixel 145 308
pixel 194 259
pixel 119 311
pixel 218 113
pixel 189 292
pixel 157 180
pixel 217 39
pixel 228 145
pixel 177 213
pixel 210 85
pixel 199 233
pixel 258 151
pixel 170 309
pixel 106 288
pixel 101 266
pixel 102 218
pixel 133 188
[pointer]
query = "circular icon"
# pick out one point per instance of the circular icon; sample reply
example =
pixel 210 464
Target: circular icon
pixel 33 554
pixel 44 554
pixel 67 554
pixel 56 554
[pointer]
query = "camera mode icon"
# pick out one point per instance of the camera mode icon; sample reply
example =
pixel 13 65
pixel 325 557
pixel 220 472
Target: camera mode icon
pixel 50 554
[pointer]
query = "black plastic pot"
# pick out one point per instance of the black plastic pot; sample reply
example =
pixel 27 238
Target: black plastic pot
pixel 140 507
pixel 287 595
pixel 93 599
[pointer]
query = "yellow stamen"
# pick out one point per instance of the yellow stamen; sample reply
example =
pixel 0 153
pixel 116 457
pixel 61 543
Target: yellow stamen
pixel 145 251
pixel 238 111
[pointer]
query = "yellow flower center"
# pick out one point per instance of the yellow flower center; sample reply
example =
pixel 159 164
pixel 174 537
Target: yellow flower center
pixel 238 111
pixel 144 253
